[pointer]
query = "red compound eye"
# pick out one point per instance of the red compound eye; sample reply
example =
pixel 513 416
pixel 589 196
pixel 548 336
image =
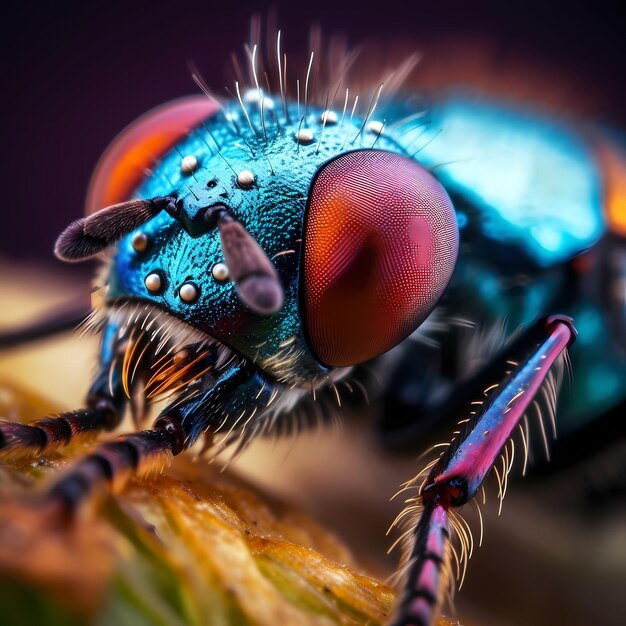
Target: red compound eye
pixel 380 245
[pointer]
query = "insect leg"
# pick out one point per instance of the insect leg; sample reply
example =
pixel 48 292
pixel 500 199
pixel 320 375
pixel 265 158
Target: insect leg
pixel 110 465
pixel 103 411
pixel 460 471
pixel 410 426
pixel 428 574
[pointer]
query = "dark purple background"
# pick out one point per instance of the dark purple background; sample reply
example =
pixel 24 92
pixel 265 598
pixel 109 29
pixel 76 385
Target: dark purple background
pixel 75 74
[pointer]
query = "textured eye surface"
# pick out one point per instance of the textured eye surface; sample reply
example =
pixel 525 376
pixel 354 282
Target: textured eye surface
pixel 380 245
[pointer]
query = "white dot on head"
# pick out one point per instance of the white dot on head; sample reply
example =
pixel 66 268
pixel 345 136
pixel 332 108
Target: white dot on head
pixel 304 135
pixel 329 118
pixel 375 127
pixel 253 95
pixel 153 282
pixel 188 292
pixel 245 178
pixel 189 164
pixel 140 242
pixel 268 104
pixel 220 272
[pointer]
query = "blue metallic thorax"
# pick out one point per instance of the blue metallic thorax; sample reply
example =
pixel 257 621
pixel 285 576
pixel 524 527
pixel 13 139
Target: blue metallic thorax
pixel 533 182
pixel 272 211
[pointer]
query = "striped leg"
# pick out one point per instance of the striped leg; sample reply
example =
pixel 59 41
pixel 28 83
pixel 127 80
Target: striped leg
pixel 44 435
pixel 460 471
pixel 428 571
pixel 110 465
pixel 103 411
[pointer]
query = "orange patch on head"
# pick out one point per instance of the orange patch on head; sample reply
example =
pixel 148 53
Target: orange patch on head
pixel 123 165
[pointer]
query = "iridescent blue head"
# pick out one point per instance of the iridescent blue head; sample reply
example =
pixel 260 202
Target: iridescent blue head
pixel 362 239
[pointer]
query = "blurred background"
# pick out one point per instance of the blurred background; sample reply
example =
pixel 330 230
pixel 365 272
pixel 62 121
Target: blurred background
pixel 74 74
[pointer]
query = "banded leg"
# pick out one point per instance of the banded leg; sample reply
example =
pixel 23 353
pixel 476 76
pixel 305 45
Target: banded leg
pixel 103 411
pixel 460 471
pixel 112 464
pixel 44 435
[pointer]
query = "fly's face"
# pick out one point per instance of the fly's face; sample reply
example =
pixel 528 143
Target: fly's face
pixel 363 242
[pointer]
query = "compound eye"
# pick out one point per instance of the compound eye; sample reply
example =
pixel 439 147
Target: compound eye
pixel 380 245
